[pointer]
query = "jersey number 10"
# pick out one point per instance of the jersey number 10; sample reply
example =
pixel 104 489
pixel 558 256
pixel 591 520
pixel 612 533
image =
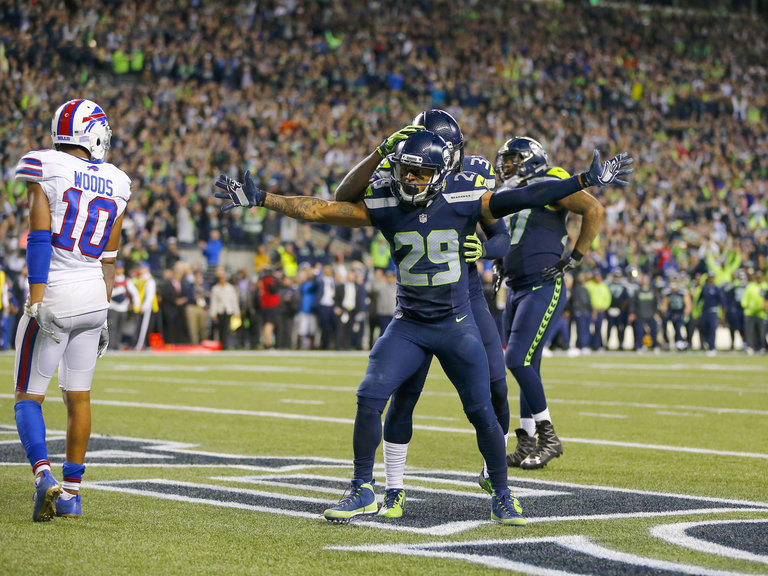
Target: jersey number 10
pixel 93 238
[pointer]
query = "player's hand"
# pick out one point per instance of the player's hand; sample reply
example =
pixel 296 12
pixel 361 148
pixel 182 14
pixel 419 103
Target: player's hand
pixel 473 248
pixel 498 274
pixel 606 173
pixel 103 341
pixel 245 194
pixel 563 266
pixel 388 145
pixel 46 320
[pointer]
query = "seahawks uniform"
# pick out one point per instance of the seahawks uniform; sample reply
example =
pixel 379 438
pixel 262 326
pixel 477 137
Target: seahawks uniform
pixel 398 425
pixel 85 197
pixel 433 316
pixel 537 237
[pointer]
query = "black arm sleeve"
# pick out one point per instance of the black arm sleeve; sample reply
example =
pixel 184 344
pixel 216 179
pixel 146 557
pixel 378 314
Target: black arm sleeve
pixel 508 200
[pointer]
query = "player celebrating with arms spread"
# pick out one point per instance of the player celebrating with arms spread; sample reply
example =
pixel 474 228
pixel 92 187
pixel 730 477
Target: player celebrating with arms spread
pixel 398 423
pixel 423 212
pixel 76 205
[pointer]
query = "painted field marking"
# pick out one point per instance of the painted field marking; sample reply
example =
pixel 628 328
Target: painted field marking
pixel 326 419
pixel 580 545
pixel 676 534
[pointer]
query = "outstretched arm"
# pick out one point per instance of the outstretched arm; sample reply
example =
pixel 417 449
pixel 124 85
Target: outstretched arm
pixel 350 214
pixel 300 207
pixel 506 201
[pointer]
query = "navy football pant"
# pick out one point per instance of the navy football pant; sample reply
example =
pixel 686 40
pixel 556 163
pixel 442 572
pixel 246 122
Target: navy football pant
pixel 531 315
pixel 398 424
pixel 399 354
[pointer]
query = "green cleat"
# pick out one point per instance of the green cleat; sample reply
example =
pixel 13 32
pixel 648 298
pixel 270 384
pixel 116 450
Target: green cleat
pixel 360 500
pixel 485 483
pixel 505 509
pixel 393 505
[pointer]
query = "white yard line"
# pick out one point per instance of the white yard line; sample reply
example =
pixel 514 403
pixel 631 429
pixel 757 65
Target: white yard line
pixel 350 421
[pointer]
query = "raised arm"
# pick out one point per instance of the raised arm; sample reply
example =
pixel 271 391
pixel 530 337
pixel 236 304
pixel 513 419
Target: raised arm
pixel 352 187
pixel 300 207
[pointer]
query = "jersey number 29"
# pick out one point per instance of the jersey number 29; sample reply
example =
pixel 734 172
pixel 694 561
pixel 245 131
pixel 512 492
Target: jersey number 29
pixel 440 247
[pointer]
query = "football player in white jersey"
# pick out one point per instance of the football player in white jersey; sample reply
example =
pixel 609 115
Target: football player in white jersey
pixel 76 206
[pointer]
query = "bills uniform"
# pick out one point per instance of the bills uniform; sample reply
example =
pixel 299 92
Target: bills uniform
pixel 433 316
pixel 85 198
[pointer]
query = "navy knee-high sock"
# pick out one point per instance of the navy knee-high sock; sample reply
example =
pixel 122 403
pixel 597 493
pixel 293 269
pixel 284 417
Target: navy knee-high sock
pixel 365 440
pixel 490 441
pixel 530 385
pixel 500 404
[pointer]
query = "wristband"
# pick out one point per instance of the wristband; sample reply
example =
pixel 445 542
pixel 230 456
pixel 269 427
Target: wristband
pixel 38 256
pixel 576 255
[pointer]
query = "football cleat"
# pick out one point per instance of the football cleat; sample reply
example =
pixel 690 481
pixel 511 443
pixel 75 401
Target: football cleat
pixel 393 504
pixel 484 482
pixel 505 509
pixel 71 508
pixel 359 500
pixel 525 445
pixel 548 447
pixel 46 490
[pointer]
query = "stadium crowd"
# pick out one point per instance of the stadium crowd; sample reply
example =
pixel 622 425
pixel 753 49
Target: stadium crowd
pixel 299 92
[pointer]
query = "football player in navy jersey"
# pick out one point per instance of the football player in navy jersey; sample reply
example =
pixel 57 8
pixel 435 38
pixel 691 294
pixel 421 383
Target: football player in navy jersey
pixel 424 211
pixel 398 424
pixel 533 270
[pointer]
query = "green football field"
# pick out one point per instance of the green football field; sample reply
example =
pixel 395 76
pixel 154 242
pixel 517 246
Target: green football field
pixel 223 464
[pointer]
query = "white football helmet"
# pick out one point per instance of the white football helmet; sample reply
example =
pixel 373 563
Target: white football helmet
pixel 82 123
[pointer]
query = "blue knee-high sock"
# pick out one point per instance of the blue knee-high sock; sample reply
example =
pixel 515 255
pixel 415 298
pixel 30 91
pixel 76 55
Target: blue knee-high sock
pixel 366 438
pixel 31 428
pixel 530 385
pixel 490 441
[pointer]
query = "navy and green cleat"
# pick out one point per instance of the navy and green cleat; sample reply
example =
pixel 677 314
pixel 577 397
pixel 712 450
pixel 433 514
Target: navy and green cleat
pixel 484 482
pixel 393 505
pixel 360 500
pixel 505 509
pixel 46 490
pixel 69 508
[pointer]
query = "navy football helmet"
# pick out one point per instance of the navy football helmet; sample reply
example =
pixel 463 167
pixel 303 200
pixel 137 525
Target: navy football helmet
pixel 445 126
pixel 528 157
pixel 421 153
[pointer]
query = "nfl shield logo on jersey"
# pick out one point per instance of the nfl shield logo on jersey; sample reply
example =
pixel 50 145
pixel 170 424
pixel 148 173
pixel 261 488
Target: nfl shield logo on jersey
pixel 422 218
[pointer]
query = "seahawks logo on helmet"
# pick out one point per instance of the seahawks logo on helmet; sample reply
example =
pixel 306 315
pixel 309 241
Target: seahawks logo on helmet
pixel 528 159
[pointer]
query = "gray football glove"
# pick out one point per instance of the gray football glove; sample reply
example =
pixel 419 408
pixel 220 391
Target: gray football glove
pixel 609 172
pixel 46 320
pixel 245 194
pixel 103 341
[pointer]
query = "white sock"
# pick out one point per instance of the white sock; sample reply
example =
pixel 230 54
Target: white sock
pixel 544 415
pixel 529 425
pixel 67 495
pixel 394 464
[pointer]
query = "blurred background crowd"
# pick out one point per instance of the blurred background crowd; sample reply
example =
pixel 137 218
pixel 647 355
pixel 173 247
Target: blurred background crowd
pixel 298 92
